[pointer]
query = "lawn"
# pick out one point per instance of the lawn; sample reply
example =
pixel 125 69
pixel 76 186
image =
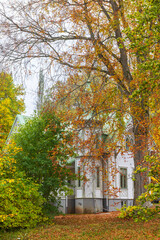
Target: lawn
pixel 89 226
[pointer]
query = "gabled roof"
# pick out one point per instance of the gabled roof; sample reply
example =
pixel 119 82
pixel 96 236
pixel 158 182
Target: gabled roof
pixel 19 120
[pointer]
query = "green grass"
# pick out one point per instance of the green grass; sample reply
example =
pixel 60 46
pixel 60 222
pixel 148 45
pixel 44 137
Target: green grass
pixel 89 227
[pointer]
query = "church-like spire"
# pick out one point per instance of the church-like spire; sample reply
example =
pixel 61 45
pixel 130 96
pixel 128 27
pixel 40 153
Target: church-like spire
pixel 40 90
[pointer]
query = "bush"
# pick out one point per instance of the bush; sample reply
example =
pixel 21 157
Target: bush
pixel 152 193
pixel 20 202
pixel 138 213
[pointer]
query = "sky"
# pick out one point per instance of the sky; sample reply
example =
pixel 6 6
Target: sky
pixel 30 85
pixel 28 80
pixel 29 77
pixel 27 73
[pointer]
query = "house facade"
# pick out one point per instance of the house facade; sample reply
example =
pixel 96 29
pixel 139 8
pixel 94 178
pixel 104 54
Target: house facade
pixel 108 183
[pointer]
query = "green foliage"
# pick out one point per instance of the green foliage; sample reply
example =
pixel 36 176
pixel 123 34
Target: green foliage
pixel 20 201
pixel 152 193
pixel 153 188
pixel 144 37
pixel 138 213
pixel 45 148
pixel 144 30
pixel 10 105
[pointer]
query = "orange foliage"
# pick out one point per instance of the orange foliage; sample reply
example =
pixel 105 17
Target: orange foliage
pixel 108 50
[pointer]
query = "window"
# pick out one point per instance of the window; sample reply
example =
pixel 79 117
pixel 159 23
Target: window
pixel 97 177
pixel 97 140
pixel 104 138
pixel 123 178
pixel 79 177
pixel 131 142
pixel 127 143
pixel 124 202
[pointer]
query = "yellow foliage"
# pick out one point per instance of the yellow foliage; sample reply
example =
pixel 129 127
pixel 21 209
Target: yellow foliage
pixel 10 105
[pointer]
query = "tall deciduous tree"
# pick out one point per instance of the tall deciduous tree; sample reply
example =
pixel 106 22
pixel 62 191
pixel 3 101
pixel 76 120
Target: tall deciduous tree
pixel 116 40
pixel 45 147
pixel 10 105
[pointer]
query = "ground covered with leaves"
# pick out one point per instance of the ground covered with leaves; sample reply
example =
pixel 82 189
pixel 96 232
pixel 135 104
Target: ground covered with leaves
pixel 90 226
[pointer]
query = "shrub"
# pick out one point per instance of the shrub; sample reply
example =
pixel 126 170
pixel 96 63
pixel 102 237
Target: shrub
pixel 20 202
pixel 138 213
pixel 152 193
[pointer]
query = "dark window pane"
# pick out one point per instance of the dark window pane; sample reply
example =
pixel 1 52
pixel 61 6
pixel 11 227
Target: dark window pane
pixel 127 144
pixel 79 176
pixel 123 178
pixel 98 177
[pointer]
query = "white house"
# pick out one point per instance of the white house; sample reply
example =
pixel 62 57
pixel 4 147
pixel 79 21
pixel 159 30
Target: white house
pixel 102 190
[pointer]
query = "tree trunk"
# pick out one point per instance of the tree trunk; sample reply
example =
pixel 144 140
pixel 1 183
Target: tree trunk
pixel 140 130
pixel 140 178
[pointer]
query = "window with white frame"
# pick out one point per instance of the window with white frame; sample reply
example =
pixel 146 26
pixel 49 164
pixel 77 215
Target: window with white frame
pixel 97 177
pixel 79 177
pixel 129 143
pixel 124 203
pixel 97 140
pixel 123 177
pixel 104 138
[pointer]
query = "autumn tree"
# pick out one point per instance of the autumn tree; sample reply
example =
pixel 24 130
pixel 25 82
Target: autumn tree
pixel 45 148
pixel 114 40
pixel 10 105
